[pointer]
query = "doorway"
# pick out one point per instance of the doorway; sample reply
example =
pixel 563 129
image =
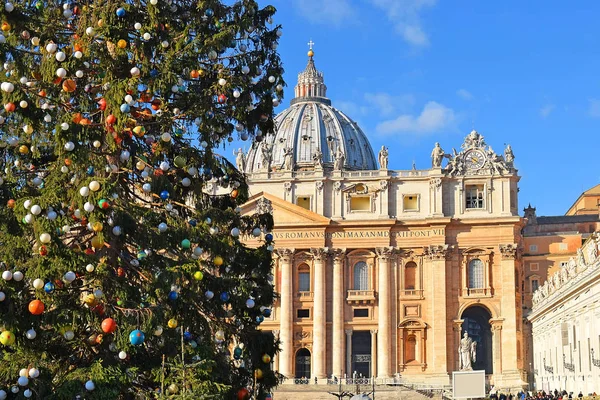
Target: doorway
pixel 477 325
pixel 303 363
pixel 361 354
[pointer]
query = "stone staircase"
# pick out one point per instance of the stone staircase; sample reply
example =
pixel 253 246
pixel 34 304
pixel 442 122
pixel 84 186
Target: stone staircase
pixel 322 392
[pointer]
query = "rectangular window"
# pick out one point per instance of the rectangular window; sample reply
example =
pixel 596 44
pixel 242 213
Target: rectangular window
pixel 534 267
pixel 303 202
pixel 410 202
pixel 304 282
pixel 475 196
pixel 534 285
pixel 533 248
pixel 361 312
pixel 563 246
pixel 303 313
pixel 360 203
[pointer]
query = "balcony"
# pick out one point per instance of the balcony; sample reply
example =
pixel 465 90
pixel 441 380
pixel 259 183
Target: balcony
pixel 412 293
pixel 305 296
pixel 360 296
pixel 478 292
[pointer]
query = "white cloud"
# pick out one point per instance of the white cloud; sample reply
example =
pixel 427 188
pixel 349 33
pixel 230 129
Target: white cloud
pixel 547 110
pixel 405 16
pixel 464 94
pixel 435 117
pixel 350 108
pixel 333 12
pixel 594 109
pixel 387 104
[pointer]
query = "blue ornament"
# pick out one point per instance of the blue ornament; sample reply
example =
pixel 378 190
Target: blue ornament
pixel 164 195
pixel 267 312
pixel 269 237
pixel 173 295
pixel 206 171
pixel 141 255
pixel 125 108
pixel 237 353
pixel 136 337
pixel 153 73
pixel 224 296
pixel 187 335
pixel 49 287
pixel 90 170
pixel 193 222
pixel 209 12
pixel 120 12
pixel 210 114
pixel 260 319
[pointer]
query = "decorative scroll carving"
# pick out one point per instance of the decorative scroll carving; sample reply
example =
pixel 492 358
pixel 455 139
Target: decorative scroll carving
pixel 264 206
pixel 509 251
pixel 319 185
pixel 384 252
pixel 285 255
pixel 319 253
pixel 437 251
pixel 302 335
pixel 338 255
pixel 337 186
pixel 287 186
pixel 435 183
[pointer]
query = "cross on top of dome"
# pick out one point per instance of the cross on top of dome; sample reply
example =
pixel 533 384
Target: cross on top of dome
pixel 310 81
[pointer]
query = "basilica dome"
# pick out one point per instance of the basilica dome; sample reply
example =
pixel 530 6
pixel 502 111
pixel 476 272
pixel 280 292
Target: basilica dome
pixel 312 133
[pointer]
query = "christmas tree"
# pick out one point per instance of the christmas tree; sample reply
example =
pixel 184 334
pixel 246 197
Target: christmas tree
pixel 123 277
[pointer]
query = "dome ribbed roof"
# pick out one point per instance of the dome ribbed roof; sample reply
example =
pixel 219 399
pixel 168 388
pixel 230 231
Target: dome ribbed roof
pixel 309 126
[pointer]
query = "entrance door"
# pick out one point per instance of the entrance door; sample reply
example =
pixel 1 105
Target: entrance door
pixel 476 323
pixel 361 354
pixel 303 363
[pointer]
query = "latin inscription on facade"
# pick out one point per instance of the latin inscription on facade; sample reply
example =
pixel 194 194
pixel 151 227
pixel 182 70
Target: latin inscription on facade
pixel 357 234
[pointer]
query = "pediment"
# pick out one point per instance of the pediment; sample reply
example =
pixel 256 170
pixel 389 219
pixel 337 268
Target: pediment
pixel 284 212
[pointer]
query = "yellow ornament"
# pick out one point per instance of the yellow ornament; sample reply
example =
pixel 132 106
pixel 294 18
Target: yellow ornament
pixel 7 338
pixel 97 227
pixel 97 242
pixel 218 261
pixel 258 374
pixel 90 300
pixel 198 275
pixel 5 26
pixel 23 149
pixel 172 323
pixel 139 131
pixel 100 22
pixel 122 43
pixel 266 358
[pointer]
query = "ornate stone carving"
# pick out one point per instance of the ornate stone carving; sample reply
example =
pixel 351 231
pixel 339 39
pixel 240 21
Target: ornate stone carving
pixel 319 253
pixel 288 159
pixel 264 206
pixel 337 186
pixel 302 335
pixel 267 155
pixel 437 251
pixel 287 186
pixel 348 332
pixel 509 251
pixel 384 252
pixel 319 185
pixel 318 159
pixel 383 184
pixel 338 255
pixel 285 255
pixel 435 183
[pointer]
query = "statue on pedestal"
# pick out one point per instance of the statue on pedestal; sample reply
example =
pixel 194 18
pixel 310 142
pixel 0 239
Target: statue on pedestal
pixel 383 158
pixel 318 159
pixel 509 157
pixel 267 155
pixel 338 162
pixel 288 158
pixel 240 160
pixel 467 353
pixel 437 155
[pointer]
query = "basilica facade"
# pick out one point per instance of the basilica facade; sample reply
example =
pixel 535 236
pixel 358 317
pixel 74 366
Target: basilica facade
pixel 381 272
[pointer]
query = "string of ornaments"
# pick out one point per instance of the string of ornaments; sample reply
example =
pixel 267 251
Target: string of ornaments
pixel 112 112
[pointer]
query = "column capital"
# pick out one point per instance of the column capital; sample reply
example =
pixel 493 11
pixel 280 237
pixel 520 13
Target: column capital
pixel 348 332
pixel 285 254
pixel 437 251
pixel 509 251
pixel 373 331
pixel 457 324
pixel 319 253
pixel 496 324
pixel 337 254
pixel 385 253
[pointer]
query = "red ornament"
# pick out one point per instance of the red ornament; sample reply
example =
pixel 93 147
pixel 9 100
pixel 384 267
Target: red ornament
pixel 102 104
pixel 99 309
pixel 222 98
pixel 109 325
pixel 11 203
pixel 120 272
pixel 10 107
pixel 36 307
pixel 43 251
pixel 243 394
pixel 111 119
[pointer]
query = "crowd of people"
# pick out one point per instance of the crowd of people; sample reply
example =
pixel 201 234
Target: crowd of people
pixel 542 395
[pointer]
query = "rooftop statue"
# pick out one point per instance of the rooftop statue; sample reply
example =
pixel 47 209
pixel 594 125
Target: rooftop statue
pixel 437 155
pixel 383 158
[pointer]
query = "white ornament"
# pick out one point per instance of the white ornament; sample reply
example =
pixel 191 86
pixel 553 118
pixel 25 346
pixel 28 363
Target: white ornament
pixel 78 54
pixel 45 238
pixel 89 268
pixel 61 72
pixel 165 137
pixel 122 355
pixel 23 104
pixel 28 218
pixel 146 188
pixel 51 47
pixel 31 334
pixel 164 166
pixel 34 373
pixel 69 277
pixel 135 71
pixel 35 41
pixel 158 331
pixel 272 79
pixel 69 335
pixel 125 155
pixel 60 56
pixel 186 182
pixel 147 36
pixel 84 191
pixel 27 393
pixel 94 186
pixel 38 283
pixel 137 26
pixel 69 146
pixel 89 31
pixel 222 82
pixel 88 207
pixel 36 209
pixel 97 144
pixel 79 73
pixel 27 204
pixel 18 276
pixel 23 372
pixel 9 7
pixel 128 99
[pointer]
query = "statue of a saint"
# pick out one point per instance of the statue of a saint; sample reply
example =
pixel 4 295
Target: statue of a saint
pixel 437 155
pixel 592 251
pixel 338 162
pixel 240 160
pixel 466 353
pixel 572 267
pixel 288 159
pixel 318 159
pixel 509 157
pixel 267 155
pixel 580 260
pixel 556 280
pixel 383 157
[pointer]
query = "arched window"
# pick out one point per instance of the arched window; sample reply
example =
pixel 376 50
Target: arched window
pixel 410 276
pixel 410 349
pixel 361 276
pixel 303 278
pixel 476 274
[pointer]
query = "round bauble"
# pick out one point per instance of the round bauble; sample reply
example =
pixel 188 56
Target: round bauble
pixel 18 276
pixel 49 287
pixel 250 303
pixel 94 186
pixel 36 307
pixel 185 244
pixel 33 372
pixel 198 275
pixel 243 394
pixel 38 284
pixel 69 335
pixel 172 323
pixel 69 277
pixel 7 338
pixel 122 355
pixel 45 238
pixel 27 393
pixel 158 331
pixel 218 261
pixel 135 72
pixel 7 275
pixel 89 385
pixel 23 381
pixel 2 296
pixel 209 294
pixel 31 334
pixel 162 227
pixel 266 358
pixel 258 373
pixel 109 325
pixel 136 337
pixel 235 232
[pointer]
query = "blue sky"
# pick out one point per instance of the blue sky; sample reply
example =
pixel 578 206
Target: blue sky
pixel 413 72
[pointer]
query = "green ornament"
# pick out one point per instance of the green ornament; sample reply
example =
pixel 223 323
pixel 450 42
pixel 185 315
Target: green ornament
pixel 39 5
pixel 185 244
pixel 180 161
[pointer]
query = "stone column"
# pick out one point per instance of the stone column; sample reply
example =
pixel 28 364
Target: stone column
pixel 496 325
pixel 286 312
pixel 384 255
pixel 436 256
pixel 508 305
pixel 319 351
pixel 457 328
pixel 349 353
pixel 374 352
pixel 338 312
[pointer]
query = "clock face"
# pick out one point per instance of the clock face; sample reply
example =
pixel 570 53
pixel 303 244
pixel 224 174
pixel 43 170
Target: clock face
pixel 474 159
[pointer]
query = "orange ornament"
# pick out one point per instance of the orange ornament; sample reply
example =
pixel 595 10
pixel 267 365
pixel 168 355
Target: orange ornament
pixel 42 93
pixel 109 325
pixel 11 203
pixel 156 104
pixel 111 119
pixel 5 26
pixel 76 118
pixel 194 74
pixel 69 85
pixel 68 162
pixel 85 121
pixel 77 47
pixel 234 193
pixel 10 107
pixel 122 44
pixel 43 251
pixel 36 307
